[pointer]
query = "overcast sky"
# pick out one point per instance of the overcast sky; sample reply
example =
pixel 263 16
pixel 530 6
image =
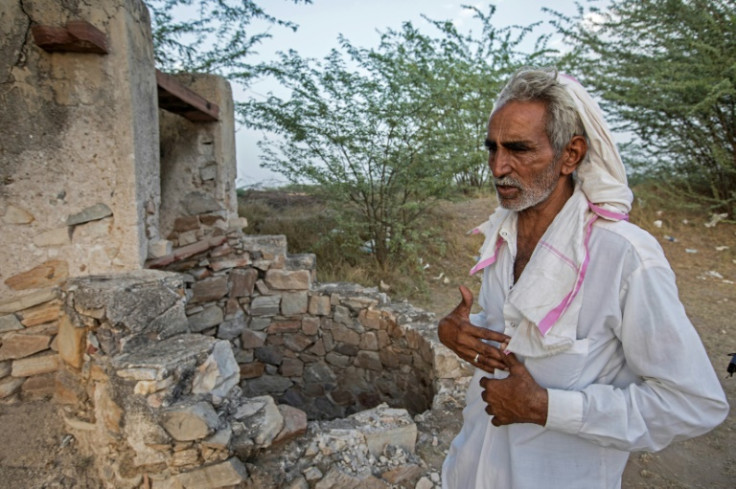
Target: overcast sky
pixel 359 21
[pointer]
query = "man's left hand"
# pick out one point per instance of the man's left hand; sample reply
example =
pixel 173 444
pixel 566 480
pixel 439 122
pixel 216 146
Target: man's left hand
pixel 517 398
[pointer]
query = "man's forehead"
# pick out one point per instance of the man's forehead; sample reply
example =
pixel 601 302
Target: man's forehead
pixel 517 120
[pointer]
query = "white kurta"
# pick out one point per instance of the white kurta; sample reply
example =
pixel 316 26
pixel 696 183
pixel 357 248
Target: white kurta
pixel 636 378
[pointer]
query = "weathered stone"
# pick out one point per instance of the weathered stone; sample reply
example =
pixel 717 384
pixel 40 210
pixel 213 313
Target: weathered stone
pixel 209 317
pixel 107 410
pixel 200 203
pixel 190 421
pixel 336 479
pixel 402 473
pixel 447 365
pixel 52 237
pixel 424 483
pixel 209 289
pixel 312 474
pixel 319 373
pixel 5 368
pixel 310 325
pixel 369 360
pixel 47 274
pixel 9 386
pixel 266 384
pixel 280 327
pixel 382 426
pixel 345 349
pixel 93 213
pixel 218 374
pixel 297 342
pixel 286 280
pixel 370 318
pixel 338 360
pixel 184 458
pixel 37 365
pixel 265 305
pixel 345 335
pixel 160 248
pixel 220 440
pixel 242 282
pixel 232 328
pixel 41 314
pixel 259 323
pixel 261 419
pixel 294 303
pixel 389 358
pixel 269 246
pixel 237 261
pixel 295 423
pixel 146 387
pixel 186 223
pixel 291 367
pixel 297 483
pixel 342 316
pixel 252 370
pixel 252 339
pixel 17 215
pixel 319 305
pixel 228 473
pixel 9 322
pixel 369 341
pixel 269 354
pixel 154 360
pixel 30 299
pixel 70 342
pixel 17 345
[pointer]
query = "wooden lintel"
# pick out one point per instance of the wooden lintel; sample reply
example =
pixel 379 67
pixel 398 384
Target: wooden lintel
pixel 176 98
pixel 78 36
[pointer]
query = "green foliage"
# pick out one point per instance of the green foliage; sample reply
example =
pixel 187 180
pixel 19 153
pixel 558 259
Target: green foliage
pixel 384 132
pixel 209 36
pixel 667 70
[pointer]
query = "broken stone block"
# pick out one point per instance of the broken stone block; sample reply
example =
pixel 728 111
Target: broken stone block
pixel 9 322
pixel 295 423
pixel 17 345
pixel 218 374
pixel 70 342
pixel 9 386
pixel 209 289
pixel 189 422
pixel 319 305
pixel 261 419
pixel 93 213
pixel 286 280
pixel 228 473
pixel 382 426
pixel 295 303
pixel 242 282
pixel 30 299
pixel 220 440
pixel 40 364
pixel 47 274
pixel 211 316
pixel 265 305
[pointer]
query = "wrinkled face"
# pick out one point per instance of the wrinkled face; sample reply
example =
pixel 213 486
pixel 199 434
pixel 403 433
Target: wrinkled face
pixel 521 156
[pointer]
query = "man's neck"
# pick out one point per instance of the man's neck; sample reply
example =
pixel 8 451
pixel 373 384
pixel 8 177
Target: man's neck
pixel 534 221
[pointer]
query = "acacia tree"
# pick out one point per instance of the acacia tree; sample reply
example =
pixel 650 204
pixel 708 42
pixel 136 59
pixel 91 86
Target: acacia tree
pixel 667 70
pixel 209 36
pixel 386 131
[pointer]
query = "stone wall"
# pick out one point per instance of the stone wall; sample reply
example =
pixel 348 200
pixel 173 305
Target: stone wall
pixel 79 165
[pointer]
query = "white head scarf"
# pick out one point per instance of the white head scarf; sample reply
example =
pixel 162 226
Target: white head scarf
pixel 601 173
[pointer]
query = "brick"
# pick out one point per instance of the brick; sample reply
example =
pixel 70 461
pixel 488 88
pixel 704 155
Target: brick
pixel 369 360
pixel 280 327
pixel 252 339
pixel 310 325
pixel 297 342
pixel 252 370
pixel 319 305
pixel 31 299
pixel 209 289
pixel 293 304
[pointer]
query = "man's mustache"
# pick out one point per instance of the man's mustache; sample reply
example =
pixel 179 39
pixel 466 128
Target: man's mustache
pixel 507 182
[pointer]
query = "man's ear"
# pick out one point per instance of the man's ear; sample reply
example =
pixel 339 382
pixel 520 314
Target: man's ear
pixel 573 154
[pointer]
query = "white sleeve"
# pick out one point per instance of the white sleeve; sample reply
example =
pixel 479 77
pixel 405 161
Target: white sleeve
pixel 678 394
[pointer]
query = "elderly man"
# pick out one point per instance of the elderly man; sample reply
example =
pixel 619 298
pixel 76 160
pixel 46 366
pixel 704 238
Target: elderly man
pixel 583 349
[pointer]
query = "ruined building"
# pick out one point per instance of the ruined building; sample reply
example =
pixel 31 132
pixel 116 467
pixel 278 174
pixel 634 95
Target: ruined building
pixel 181 351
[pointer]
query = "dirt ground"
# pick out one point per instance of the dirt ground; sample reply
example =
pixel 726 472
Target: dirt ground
pixel 36 453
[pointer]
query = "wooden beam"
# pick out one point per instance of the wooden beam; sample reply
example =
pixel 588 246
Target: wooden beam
pixel 176 98
pixel 78 36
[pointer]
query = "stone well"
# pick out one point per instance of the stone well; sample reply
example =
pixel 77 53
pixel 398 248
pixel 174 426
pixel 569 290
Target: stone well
pixel 230 360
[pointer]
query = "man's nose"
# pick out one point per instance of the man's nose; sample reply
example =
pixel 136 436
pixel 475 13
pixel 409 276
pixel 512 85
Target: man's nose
pixel 498 162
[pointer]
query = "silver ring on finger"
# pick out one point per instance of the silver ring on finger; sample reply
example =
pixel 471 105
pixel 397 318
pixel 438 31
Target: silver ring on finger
pixel 477 356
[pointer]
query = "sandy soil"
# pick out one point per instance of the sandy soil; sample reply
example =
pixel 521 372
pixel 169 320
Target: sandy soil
pixel 36 453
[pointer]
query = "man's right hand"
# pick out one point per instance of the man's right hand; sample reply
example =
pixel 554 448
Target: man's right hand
pixel 456 333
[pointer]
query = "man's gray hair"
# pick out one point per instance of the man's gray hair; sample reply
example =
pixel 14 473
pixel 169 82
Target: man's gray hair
pixel 540 84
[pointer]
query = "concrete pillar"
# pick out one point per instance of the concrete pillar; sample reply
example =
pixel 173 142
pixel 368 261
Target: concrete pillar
pixel 79 165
